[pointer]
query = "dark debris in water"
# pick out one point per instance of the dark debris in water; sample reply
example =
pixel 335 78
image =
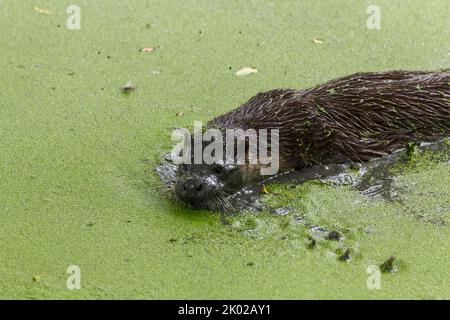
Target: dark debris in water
pixel 281 211
pixel 388 265
pixel 128 87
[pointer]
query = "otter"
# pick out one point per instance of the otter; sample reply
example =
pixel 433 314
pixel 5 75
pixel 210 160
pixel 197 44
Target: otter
pixel 352 119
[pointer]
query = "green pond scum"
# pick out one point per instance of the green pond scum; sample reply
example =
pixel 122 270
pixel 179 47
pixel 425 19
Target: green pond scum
pixel 78 153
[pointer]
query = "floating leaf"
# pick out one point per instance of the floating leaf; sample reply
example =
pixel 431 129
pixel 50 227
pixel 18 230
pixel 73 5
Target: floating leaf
pixel 246 71
pixel 43 11
pixel 317 40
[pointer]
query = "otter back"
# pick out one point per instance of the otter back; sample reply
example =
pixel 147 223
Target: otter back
pixel 350 119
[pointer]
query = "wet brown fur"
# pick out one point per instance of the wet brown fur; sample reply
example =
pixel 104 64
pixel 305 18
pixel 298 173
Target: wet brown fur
pixel 350 119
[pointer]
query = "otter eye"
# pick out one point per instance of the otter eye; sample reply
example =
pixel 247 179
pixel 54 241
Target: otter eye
pixel 218 169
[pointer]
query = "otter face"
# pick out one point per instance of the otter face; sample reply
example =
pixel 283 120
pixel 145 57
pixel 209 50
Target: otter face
pixel 204 186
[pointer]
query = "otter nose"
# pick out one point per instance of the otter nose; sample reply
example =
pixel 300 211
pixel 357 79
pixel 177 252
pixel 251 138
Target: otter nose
pixel 191 191
pixel 193 185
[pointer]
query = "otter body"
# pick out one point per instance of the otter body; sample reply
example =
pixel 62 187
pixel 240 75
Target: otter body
pixel 351 119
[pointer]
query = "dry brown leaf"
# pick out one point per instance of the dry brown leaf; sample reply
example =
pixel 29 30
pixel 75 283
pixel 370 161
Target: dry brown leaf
pixel 246 71
pixel 43 11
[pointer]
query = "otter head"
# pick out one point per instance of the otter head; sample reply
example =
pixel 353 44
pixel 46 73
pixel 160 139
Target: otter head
pixel 211 186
